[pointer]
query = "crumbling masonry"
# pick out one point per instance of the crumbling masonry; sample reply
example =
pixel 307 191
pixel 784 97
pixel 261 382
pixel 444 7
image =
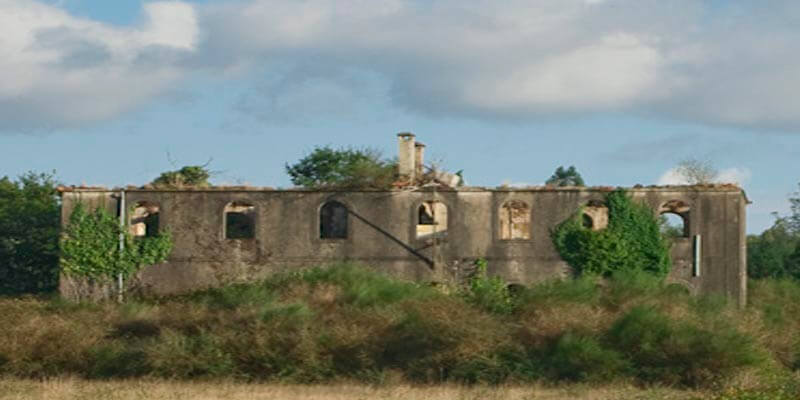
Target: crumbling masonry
pixel 424 233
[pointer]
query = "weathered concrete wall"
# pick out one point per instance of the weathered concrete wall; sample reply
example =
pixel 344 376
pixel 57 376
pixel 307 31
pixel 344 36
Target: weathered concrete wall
pixel 82 288
pixel 382 234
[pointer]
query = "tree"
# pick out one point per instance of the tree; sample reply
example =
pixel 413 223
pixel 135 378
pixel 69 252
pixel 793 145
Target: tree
pixel 188 176
pixel 90 246
pixel 794 218
pixel 566 177
pixel 29 225
pixel 775 253
pixel 696 172
pixel 344 167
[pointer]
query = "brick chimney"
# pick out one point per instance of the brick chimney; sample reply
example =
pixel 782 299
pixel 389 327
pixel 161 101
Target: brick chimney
pixel 406 155
pixel 419 159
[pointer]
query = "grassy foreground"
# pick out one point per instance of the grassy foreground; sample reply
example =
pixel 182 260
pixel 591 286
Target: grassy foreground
pixel 349 324
pixel 70 389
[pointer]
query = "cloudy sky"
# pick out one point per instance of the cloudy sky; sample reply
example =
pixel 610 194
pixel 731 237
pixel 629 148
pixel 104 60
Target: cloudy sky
pixel 114 92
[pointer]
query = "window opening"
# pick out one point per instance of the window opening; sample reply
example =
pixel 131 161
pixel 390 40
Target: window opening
pixel 240 221
pixel 144 220
pixel 595 216
pixel 431 218
pixel 674 219
pixel 333 221
pixel 515 219
pixel 672 225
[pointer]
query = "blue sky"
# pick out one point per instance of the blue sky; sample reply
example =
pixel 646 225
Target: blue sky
pixel 114 92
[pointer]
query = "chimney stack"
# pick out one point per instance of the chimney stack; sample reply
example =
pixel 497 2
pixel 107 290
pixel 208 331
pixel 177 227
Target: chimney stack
pixel 419 159
pixel 406 155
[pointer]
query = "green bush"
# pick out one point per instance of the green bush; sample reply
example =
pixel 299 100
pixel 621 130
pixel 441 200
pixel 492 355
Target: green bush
pixel 583 289
pixel 632 241
pixel 363 287
pixel 188 176
pixel 442 339
pixel 490 293
pixel 778 301
pixel 29 225
pixel 178 355
pixel 579 357
pixel 628 286
pixel 666 351
pixel 117 360
pixel 234 296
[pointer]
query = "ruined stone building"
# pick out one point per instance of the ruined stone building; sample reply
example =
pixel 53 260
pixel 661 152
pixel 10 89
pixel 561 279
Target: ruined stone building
pixel 424 233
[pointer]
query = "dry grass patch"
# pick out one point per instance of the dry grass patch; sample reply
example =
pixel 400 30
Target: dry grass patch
pixel 71 389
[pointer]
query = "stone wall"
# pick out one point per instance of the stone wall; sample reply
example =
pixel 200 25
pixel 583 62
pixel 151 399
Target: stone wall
pixel 382 232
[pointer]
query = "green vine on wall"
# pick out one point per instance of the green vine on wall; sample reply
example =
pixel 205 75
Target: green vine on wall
pixel 90 246
pixel 631 242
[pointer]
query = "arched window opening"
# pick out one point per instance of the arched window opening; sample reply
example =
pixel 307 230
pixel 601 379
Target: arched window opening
pixel 515 217
pixel 672 225
pixel 595 216
pixel 240 221
pixel 144 220
pixel 674 219
pixel 333 221
pixel 431 219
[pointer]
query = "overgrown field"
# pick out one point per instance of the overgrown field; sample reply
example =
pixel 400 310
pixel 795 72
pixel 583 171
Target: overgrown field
pixel 78 389
pixel 348 324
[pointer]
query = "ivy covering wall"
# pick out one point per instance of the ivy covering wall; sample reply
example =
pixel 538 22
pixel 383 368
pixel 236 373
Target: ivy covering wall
pixel 90 246
pixel 631 242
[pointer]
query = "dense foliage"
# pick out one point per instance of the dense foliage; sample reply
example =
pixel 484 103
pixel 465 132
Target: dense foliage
pixel 775 253
pixel 631 242
pixel 343 168
pixel 188 176
pixel 488 292
pixel 90 246
pixel 794 218
pixel 349 324
pixel 29 226
pixel 565 177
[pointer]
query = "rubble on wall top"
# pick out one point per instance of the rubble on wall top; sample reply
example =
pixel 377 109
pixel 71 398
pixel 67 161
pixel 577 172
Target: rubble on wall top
pixel 536 188
pixel 551 188
pixel 153 188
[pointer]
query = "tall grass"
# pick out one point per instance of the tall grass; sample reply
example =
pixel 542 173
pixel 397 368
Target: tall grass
pixel 348 323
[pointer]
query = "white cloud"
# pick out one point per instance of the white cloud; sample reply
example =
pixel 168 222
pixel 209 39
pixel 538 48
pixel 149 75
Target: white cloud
pixel 59 70
pixel 684 59
pixel 171 24
pixel 733 63
pixel 671 177
pixel 735 175
pixel 519 185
